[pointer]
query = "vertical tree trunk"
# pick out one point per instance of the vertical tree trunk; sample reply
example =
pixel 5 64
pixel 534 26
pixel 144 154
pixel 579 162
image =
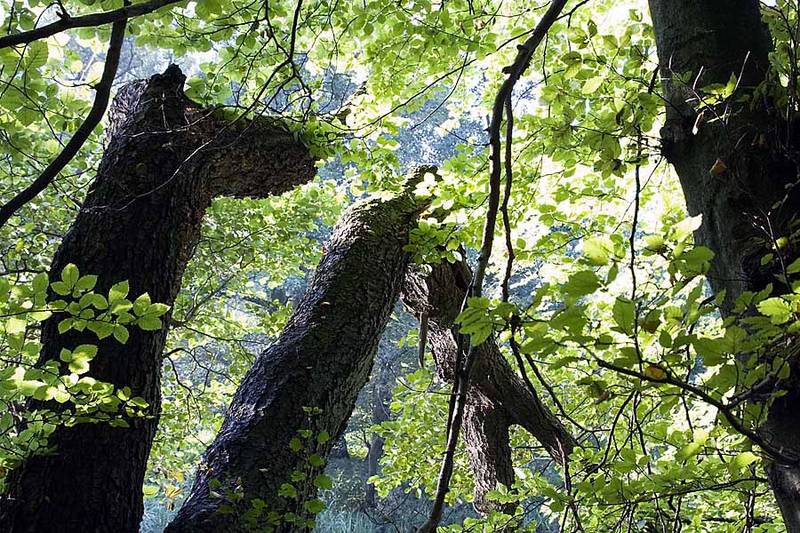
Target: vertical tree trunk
pixel 165 161
pixel 497 397
pixel 712 39
pixel 380 413
pixel 322 359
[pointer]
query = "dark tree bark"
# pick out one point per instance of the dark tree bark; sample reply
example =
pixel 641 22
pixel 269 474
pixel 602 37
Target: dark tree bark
pixel 486 436
pixel 166 159
pixel 322 359
pixel 712 39
pixel 497 397
pixel 381 395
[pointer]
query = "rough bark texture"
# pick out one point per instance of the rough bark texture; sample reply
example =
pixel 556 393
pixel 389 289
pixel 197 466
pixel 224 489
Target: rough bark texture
pixel 714 39
pixel 721 37
pixel 497 397
pixel 322 359
pixel 166 160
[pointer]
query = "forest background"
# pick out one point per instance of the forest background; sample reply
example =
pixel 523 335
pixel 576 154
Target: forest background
pixel 624 363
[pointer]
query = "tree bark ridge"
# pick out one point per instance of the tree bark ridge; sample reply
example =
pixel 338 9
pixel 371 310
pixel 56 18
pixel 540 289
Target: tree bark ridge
pixel 322 359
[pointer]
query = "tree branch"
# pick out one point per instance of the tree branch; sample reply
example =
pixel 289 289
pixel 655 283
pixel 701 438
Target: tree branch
pixel 66 22
pixel 464 364
pixel 725 409
pixel 79 138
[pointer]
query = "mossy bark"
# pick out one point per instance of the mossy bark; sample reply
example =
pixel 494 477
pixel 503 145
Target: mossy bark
pixel 322 359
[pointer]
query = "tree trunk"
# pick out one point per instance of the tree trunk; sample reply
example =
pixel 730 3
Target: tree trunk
pixel 165 161
pixel 322 360
pixel 747 195
pixel 381 396
pixel 497 397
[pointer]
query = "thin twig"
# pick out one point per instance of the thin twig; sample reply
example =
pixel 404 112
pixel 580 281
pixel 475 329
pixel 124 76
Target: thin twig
pixel 721 406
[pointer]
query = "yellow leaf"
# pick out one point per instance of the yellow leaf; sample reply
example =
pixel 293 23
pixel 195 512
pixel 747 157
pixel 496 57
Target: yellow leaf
pixel 171 492
pixel 655 372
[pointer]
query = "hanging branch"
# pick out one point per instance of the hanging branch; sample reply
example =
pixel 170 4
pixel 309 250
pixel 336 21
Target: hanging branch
pixel 79 138
pixel 465 361
pixel 67 22
pixel 506 198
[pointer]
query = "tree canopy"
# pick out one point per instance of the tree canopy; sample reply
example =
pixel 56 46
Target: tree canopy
pixel 601 274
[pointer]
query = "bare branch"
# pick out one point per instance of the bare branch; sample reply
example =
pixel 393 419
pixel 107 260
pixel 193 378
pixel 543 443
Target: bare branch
pixel 79 138
pixel 464 364
pixel 66 22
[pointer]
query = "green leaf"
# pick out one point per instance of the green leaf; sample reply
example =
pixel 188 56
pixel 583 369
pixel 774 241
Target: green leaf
pixel 121 333
pixel 693 448
pixel 59 287
pixel 79 366
pixel 16 325
pixel 287 490
pixel 624 314
pixel 65 325
pixel 582 283
pixel 742 461
pixel 149 323
pixel 777 309
pixel 156 310
pixel 99 301
pixel 118 291
pixel 686 227
pixel 597 250
pixel 85 350
pixel 711 350
pixel 654 243
pixel 40 282
pixel 794 267
pixel 101 329
pixel 592 84
pixel 314 506
pixel 69 275
pixel 86 283
pixel 80 357
pixel 323 482
pixel 141 304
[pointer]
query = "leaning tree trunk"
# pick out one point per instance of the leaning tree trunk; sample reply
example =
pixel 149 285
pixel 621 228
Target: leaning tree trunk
pixel 166 159
pixel 750 151
pixel 321 360
pixel 497 398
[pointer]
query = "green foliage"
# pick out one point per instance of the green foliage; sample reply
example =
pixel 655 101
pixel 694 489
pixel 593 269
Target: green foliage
pixel 73 303
pixel 364 76
pixel 298 510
